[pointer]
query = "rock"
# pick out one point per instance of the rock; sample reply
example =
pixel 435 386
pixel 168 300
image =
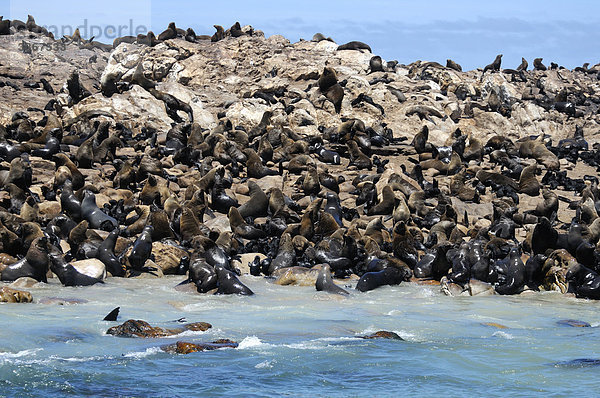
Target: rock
pixel 167 257
pixel 24 282
pixel 137 106
pixel 91 267
pixel 383 334
pixel 296 276
pixel 9 295
pixel 181 347
pixel 573 323
pixel 138 328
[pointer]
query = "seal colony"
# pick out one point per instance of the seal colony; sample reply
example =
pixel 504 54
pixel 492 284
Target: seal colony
pixel 215 157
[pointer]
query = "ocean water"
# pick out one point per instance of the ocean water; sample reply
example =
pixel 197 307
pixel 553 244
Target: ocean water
pixel 295 341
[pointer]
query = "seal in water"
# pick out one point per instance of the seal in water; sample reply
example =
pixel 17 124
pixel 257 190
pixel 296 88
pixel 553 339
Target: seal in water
pixel 106 254
pixel 325 282
pixel 67 273
pixel 373 280
pixel 228 283
pixel 112 316
pixel 203 275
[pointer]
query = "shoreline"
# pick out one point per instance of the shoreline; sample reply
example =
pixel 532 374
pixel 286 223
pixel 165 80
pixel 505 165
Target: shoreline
pixel 216 156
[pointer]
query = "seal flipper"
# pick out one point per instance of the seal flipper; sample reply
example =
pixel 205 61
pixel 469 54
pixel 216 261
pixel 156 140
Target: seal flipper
pixel 112 316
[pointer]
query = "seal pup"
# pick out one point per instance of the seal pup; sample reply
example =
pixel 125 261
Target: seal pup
pixel 586 282
pixel 325 282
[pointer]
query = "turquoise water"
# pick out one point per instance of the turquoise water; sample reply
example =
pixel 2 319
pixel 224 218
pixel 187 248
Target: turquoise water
pixel 295 341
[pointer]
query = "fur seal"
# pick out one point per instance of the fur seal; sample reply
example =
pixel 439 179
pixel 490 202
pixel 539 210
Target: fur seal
pixel 142 249
pixel 255 167
pixel 203 275
pixel 219 34
pixel 112 316
pixel 387 276
pixel 354 45
pixel 376 64
pixel 67 273
pixel 96 217
pixel 357 157
pixel 528 183
pixel 228 283
pixel 453 65
pixel 240 228
pixel 33 265
pixel 107 255
pixel 387 204
pixel 523 66
pixel 513 273
pixel 169 33
pixel 325 282
pixel 494 66
pixel 286 255
pixel 330 88
pixel 538 65
pixel 258 203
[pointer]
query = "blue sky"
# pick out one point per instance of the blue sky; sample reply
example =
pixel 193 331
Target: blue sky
pixel 470 32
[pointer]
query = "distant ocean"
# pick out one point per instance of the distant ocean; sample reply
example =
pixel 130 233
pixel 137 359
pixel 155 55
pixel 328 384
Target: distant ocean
pixel 295 341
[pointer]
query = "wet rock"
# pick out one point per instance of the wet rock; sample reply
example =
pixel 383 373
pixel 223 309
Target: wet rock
pixel 382 334
pixel 9 295
pixel 139 328
pixel 182 347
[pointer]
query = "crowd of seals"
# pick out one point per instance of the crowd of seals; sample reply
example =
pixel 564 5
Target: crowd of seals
pixel 338 200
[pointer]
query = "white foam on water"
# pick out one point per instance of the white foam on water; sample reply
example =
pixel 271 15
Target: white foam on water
pixel 78 359
pixel 503 335
pixel 11 355
pixel 188 333
pixel 265 365
pixel 251 342
pixel 143 354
